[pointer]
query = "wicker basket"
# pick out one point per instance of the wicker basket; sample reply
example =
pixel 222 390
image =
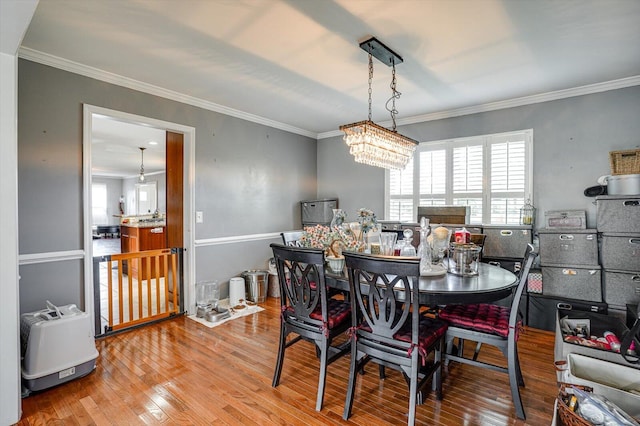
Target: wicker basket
pixel 625 162
pixel 566 417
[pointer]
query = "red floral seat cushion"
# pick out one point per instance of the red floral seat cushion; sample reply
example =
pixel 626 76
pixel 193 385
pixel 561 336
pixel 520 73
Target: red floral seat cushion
pixel 430 331
pixel 483 317
pixel 338 312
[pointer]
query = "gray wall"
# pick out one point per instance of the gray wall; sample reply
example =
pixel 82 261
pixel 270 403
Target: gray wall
pixel 249 178
pixel 571 142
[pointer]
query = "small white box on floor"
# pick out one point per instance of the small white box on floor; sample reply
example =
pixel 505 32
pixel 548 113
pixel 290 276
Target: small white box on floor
pixel 57 346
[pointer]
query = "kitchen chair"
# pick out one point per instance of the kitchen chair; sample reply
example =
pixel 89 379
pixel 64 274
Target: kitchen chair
pixel 307 311
pixel 387 327
pixel 493 325
pixel 291 238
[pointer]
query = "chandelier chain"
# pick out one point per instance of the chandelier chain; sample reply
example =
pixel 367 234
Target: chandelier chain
pixel 370 143
pixel 370 81
pixel 394 95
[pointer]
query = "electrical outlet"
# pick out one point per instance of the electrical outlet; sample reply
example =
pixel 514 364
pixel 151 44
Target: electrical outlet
pixel 199 217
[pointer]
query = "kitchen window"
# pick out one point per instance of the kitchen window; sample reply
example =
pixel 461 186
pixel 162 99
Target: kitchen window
pixel 492 174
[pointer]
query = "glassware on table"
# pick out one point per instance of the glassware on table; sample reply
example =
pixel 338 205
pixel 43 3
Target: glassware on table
pixel 387 243
pixel 424 249
pixel 440 238
pixel 407 248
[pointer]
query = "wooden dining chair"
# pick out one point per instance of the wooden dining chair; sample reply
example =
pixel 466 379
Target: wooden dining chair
pixel 307 311
pixel 493 325
pixel 387 327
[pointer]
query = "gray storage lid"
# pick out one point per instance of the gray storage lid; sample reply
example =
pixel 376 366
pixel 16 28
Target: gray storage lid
pixel 560 266
pixel 566 231
pixel 505 226
pixel 618 197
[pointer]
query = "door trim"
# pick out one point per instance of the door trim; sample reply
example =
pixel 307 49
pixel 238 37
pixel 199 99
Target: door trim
pixel 188 202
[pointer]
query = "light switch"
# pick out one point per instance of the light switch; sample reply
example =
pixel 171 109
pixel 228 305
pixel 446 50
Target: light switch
pixel 199 217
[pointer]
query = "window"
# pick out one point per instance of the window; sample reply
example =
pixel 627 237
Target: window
pixel 491 174
pixel 99 204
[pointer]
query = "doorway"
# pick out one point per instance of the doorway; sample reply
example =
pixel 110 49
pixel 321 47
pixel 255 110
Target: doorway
pixel 128 204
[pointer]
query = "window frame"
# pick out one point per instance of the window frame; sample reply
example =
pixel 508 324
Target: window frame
pixel 449 144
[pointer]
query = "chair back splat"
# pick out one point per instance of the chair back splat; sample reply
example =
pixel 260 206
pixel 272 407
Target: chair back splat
pixel 388 328
pixel 494 325
pixel 292 238
pixel 307 311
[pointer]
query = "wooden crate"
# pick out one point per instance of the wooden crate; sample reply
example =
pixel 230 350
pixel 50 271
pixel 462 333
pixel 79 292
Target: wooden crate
pixel 625 162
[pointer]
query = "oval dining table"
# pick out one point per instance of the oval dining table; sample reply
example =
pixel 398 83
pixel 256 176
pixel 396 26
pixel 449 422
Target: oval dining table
pixel 491 284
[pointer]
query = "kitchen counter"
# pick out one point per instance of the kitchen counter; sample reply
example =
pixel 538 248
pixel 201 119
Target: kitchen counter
pixel 145 224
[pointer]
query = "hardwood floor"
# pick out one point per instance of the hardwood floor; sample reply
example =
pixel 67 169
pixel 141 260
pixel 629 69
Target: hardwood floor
pixel 180 372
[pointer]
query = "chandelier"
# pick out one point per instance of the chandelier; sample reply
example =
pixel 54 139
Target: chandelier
pixel 370 143
pixel 141 177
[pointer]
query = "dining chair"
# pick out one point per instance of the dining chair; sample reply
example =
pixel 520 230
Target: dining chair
pixel 307 311
pixel 291 238
pixel 387 327
pixel 493 325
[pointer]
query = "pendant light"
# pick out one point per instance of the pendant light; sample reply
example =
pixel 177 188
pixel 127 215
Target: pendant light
pixel 370 143
pixel 141 177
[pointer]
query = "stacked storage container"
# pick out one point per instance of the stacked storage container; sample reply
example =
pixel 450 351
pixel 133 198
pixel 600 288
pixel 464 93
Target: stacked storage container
pixel 619 224
pixel 505 245
pixel 569 261
pixel 571 274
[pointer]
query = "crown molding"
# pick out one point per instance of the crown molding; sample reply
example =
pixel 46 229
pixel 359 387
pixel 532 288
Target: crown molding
pixel 509 103
pixel 98 74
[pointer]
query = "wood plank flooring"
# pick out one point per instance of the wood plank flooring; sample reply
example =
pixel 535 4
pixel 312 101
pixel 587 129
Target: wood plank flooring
pixel 179 372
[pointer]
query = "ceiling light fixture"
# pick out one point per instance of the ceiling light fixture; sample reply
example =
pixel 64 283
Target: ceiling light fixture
pixel 370 143
pixel 141 178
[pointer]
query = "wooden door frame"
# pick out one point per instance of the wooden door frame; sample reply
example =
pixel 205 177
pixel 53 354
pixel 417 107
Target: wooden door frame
pixel 188 193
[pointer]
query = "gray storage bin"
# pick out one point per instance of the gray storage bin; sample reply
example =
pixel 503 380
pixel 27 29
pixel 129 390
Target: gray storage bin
pixel 316 212
pixel 573 219
pixel 617 213
pixel 621 288
pixel 621 252
pixel 506 241
pixel 569 247
pixel 572 282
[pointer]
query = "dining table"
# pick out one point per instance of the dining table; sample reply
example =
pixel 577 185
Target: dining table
pixel 492 283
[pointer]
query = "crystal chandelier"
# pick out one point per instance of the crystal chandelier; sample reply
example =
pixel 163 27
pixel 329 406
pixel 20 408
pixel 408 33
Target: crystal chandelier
pixel 370 143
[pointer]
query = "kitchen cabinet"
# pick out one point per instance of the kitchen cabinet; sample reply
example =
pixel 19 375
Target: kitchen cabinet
pixel 141 238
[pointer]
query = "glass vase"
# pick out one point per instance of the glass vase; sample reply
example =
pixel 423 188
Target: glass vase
pixel 338 218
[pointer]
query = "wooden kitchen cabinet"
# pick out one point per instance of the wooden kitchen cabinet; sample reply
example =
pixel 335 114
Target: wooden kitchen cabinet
pixel 134 239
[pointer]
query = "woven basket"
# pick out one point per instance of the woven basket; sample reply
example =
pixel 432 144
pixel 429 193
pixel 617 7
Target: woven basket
pixel 625 162
pixel 566 417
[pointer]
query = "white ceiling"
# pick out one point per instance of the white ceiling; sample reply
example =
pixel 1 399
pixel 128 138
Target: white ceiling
pixel 297 62
pixel 115 148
